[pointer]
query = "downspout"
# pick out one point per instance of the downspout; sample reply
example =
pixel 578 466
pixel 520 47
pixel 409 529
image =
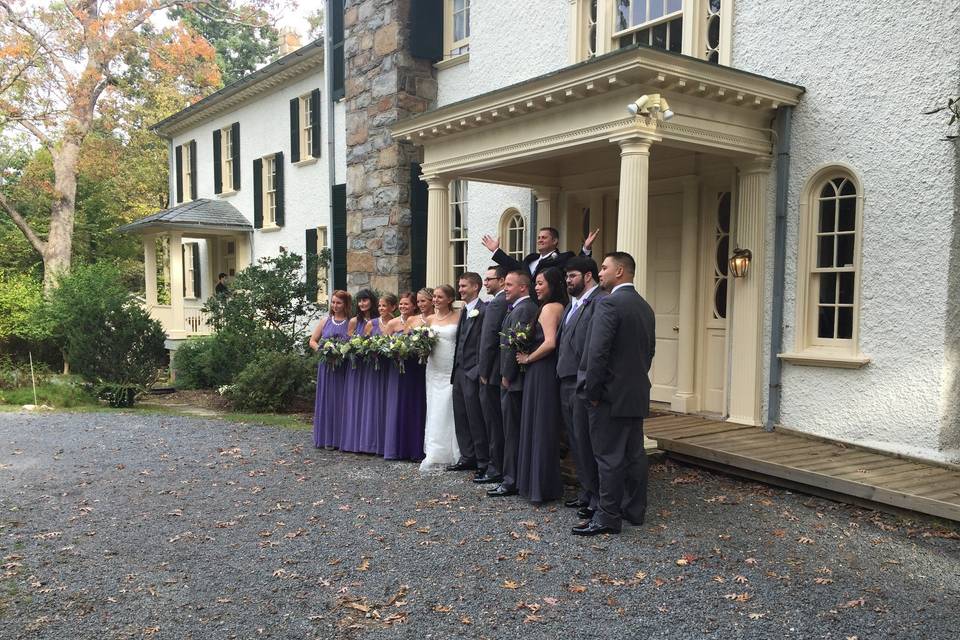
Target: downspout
pixel 782 127
pixel 331 135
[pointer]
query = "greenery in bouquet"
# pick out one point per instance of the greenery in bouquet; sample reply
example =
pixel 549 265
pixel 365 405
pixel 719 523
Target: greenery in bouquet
pixel 376 347
pixel 356 350
pixel 519 338
pixel 332 351
pixel 422 341
pixel 399 350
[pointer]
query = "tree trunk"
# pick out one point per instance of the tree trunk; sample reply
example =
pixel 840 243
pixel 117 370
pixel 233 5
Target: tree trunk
pixel 59 246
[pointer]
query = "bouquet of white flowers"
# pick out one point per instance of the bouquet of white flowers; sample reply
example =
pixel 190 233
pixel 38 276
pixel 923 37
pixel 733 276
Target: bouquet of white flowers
pixel 422 341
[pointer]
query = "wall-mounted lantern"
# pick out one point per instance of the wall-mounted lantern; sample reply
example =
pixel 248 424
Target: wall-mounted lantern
pixel 740 262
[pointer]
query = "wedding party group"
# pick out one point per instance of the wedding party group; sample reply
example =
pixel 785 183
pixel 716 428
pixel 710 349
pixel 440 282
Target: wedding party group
pixel 561 346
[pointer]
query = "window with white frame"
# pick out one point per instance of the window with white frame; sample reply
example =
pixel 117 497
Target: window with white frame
pixel 458 228
pixel 513 233
pixel 657 23
pixel 226 159
pixel 306 127
pixel 270 191
pixel 187 172
pixel 456 20
pixel 828 298
pixel 189 273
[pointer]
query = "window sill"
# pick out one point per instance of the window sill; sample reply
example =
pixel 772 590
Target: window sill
pixel 814 358
pixel 227 194
pixel 452 62
pixel 270 228
pixel 306 162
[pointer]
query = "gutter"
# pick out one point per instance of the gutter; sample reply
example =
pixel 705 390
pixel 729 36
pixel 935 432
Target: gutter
pixel 782 126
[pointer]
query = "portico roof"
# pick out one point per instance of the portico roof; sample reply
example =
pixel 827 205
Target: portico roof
pixel 197 215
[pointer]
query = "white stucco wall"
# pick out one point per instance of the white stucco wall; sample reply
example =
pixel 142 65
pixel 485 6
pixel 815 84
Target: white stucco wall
pixel 486 205
pixel 869 72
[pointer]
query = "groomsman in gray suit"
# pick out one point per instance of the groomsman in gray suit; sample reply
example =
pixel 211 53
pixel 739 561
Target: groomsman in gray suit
pixel 616 384
pixel 489 372
pixel 585 293
pixel 522 310
pixel 467 411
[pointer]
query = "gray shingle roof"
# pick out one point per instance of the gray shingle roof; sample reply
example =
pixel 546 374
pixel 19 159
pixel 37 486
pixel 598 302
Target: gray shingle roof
pixel 198 213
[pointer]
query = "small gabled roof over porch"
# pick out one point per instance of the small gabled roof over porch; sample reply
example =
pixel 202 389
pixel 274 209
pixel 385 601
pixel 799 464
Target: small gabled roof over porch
pixel 202 215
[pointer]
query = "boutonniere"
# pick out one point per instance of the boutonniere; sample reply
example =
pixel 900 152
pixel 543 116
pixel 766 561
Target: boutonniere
pixel 474 313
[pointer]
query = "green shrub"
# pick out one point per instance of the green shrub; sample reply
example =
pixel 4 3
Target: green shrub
pixel 210 362
pixel 14 375
pixel 270 383
pixel 58 393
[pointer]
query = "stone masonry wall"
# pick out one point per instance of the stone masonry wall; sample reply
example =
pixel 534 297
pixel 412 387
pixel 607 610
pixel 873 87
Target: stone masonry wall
pixel 384 84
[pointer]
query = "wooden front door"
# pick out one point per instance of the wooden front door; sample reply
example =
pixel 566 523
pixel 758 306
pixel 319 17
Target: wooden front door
pixel 663 290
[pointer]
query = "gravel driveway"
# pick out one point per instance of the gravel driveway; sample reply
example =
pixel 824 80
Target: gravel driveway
pixel 129 525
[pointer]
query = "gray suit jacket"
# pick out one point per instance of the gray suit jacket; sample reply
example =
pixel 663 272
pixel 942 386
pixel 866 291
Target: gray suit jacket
pixel 523 313
pixel 619 353
pixel 466 353
pixel 489 349
pixel 573 335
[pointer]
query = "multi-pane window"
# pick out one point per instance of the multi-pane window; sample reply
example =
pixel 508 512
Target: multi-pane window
pixel 458 227
pixel 514 234
pixel 712 32
pixel 323 267
pixel 457 29
pixel 834 273
pixel 657 23
pixel 226 158
pixel 188 271
pixel 721 264
pixel 187 172
pixel 306 126
pixel 270 190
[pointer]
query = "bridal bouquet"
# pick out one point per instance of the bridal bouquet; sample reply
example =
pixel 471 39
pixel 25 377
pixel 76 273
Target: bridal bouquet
pixel 422 341
pixel 332 351
pixel 374 348
pixel 519 338
pixel 356 349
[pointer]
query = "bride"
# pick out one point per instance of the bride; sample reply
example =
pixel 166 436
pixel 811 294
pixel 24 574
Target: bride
pixel 440 439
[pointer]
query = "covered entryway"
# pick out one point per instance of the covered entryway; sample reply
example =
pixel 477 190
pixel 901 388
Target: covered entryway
pixel 656 187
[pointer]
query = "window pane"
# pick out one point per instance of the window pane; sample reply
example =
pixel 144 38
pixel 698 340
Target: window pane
pixel 847 189
pixel 593 11
pixel 656 9
pixel 713 32
pixel 848 214
pixel 720 299
pixel 845 323
pixel 714 6
pixel 674 5
pixel 713 58
pixel 825 251
pixel 723 212
pixel 459 26
pixel 723 251
pixel 846 287
pixel 828 191
pixel 825 322
pixel 660 36
pixel 623 14
pixel 845 250
pixel 676 35
pixel 639 12
pixel 827 216
pixel 828 288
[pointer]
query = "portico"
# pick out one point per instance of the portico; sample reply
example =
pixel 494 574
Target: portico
pixel 673 193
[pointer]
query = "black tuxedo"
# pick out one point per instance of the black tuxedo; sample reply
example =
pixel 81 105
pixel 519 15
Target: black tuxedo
pixel 572 340
pixel 556 259
pixel 616 383
pixel 489 369
pixel 467 410
pixel 511 399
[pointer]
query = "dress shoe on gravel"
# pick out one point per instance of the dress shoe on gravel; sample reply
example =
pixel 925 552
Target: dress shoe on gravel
pixel 500 491
pixel 592 528
pixel 462 466
pixel 586 513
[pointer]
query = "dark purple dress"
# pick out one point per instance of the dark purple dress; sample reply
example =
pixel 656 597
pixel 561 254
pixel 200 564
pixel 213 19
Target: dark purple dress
pixel 406 411
pixel 538 453
pixel 353 401
pixel 373 389
pixel 331 381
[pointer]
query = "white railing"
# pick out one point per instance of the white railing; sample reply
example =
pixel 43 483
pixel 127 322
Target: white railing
pixel 195 321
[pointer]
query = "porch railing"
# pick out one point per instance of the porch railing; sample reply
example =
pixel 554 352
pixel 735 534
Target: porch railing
pixel 195 321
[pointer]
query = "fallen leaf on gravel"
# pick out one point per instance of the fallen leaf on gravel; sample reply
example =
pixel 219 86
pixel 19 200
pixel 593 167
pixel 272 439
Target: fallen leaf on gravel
pixel 334 562
pixel 738 597
pixel 344 507
pixel 532 618
pixel 659 582
pixel 224 600
pixel 576 588
pixel 719 579
pixel 295 534
pixel 805 540
pixel 551 601
pixel 442 608
pixel 543 568
pixel 409 523
pixel 466 620
pixel 741 579
pixel 685 479
pixel 640 575
pixel 755 616
pixel 823 580
pixel 358 606
pixel 510 584
pixel 682 562
pixel 850 604
pixel 423 530
pixel 532 536
pixel 149 631
pixel 751 561
pixel 779 532
pixel 364 565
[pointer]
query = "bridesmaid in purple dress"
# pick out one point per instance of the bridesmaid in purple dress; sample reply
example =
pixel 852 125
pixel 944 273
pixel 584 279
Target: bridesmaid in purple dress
pixel 406 402
pixel 374 383
pixel 331 380
pixel 353 398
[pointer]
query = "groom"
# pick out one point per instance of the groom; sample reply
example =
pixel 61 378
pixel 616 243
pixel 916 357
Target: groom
pixel 489 369
pixel 616 385
pixel 521 310
pixel 467 410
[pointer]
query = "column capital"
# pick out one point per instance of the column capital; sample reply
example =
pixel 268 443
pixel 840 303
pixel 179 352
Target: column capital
pixel 634 143
pixel 759 164
pixel 544 192
pixel 436 181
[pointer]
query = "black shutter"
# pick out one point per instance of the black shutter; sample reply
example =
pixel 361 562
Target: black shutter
pixel 179 168
pixel 197 293
pixel 258 194
pixel 217 159
pixel 295 130
pixel 235 144
pixel 336 47
pixel 183 278
pixel 193 169
pixel 418 228
pixel 315 123
pixel 311 263
pixel 339 228
pixel 278 187
pixel 426 29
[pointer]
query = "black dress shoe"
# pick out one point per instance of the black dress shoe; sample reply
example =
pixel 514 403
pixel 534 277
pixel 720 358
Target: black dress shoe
pixel 463 465
pixel 500 491
pixel 592 528
pixel 576 503
pixel 480 472
pixel 488 479
pixel 585 512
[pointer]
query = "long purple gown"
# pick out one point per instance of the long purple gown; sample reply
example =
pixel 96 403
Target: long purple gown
pixel 331 382
pixel 406 411
pixel 353 401
pixel 373 388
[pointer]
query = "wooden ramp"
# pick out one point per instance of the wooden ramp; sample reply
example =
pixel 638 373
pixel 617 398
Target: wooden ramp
pixel 835 469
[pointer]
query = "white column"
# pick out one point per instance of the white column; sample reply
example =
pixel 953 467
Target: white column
pixel 746 320
pixel 176 285
pixel 632 216
pixel 545 198
pixel 150 269
pixel 244 252
pixel 438 231
pixel 684 399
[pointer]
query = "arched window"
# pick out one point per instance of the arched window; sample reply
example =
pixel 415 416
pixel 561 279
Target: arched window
pixel 513 233
pixel 828 270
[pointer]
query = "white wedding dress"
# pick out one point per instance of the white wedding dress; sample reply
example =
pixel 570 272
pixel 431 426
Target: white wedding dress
pixel 440 438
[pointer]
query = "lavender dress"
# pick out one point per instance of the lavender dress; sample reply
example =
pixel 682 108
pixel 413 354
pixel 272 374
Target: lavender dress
pixel 373 388
pixel 406 411
pixel 331 381
pixel 353 401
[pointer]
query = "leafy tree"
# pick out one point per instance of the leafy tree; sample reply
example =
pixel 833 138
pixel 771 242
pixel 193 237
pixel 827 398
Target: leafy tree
pixel 21 306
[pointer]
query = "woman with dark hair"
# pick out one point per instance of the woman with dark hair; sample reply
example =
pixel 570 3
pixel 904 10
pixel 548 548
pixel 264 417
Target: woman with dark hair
pixel 366 306
pixel 373 384
pixel 538 453
pixel 331 380
pixel 406 400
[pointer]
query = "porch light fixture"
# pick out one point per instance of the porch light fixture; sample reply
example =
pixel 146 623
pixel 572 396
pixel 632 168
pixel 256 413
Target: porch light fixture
pixel 740 262
pixel 653 105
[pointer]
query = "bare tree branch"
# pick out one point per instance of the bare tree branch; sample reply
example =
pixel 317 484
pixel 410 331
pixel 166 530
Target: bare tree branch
pixel 35 242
